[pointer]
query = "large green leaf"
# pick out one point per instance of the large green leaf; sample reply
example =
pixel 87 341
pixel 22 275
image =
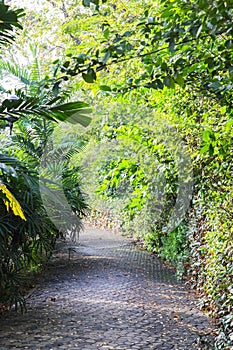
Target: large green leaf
pixel 74 112
pixel 9 19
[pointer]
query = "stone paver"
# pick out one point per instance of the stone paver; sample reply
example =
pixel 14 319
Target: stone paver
pixel 109 295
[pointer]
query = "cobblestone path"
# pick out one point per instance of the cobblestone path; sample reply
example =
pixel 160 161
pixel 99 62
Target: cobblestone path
pixel 109 295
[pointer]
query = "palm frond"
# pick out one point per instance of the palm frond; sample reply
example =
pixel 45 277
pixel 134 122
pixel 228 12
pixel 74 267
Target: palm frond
pixel 20 72
pixel 9 21
pixel 35 69
pixel 73 112
pixel 10 165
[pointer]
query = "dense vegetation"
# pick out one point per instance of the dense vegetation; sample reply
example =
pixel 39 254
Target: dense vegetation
pixel 28 116
pixel 157 157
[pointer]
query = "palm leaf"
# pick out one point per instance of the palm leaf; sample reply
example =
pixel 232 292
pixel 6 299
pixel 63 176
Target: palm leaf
pixel 74 112
pixel 20 72
pixel 9 20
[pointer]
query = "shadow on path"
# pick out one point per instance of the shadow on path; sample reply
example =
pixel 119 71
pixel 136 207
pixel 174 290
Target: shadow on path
pixel 109 295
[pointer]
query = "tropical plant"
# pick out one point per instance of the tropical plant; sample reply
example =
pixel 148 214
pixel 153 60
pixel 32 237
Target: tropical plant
pixel 175 58
pixel 28 232
pixel 10 20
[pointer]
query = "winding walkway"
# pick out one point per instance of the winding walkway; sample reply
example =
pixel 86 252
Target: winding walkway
pixel 108 295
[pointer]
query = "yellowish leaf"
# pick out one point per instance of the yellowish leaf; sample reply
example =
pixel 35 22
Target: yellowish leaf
pixel 11 202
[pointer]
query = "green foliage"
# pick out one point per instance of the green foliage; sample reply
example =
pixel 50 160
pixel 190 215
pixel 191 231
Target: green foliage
pixel 22 242
pixel 211 269
pixel 132 156
pixel 175 58
pixel 28 233
pixel 176 248
pixel 135 172
pixel 9 20
pixel 25 246
pixel 210 220
pixel 88 3
pixel 12 109
pixel 178 42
